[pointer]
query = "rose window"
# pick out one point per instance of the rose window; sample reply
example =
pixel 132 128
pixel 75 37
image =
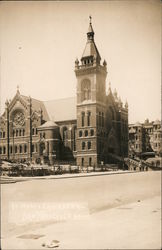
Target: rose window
pixel 19 119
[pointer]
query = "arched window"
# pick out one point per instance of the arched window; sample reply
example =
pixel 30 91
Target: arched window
pixel 80 133
pixel 83 145
pixel 23 132
pixel 36 131
pixel 3 134
pixel 20 149
pixel 82 161
pixel 20 132
pixel 64 134
pixel 0 134
pixel 32 147
pixel 86 90
pixel 83 117
pixel 15 149
pixel 0 150
pixel 89 119
pixel 4 150
pixel 17 132
pixel 25 148
pixel 86 132
pixel 89 145
pixel 99 119
pixel 32 131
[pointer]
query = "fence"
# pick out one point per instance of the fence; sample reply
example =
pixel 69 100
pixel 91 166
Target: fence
pixel 38 170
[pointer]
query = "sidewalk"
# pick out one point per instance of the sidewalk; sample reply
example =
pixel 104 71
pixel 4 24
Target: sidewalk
pixel 5 180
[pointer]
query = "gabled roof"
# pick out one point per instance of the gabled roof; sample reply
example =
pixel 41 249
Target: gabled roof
pixel 56 110
pixel 132 130
pixel 61 109
pixel 49 124
pixel 37 105
pixel 52 111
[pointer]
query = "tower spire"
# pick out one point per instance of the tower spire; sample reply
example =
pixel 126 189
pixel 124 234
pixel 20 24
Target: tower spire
pixel 90 54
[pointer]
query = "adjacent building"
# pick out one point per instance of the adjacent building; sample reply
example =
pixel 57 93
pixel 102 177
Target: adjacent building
pixel 87 129
pixel 145 138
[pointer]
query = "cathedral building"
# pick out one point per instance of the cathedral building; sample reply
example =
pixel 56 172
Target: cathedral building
pixel 89 129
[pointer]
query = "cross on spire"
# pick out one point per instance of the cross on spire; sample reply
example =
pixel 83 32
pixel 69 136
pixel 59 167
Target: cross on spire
pixel 18 89
pixel 90 18
pixel 90 30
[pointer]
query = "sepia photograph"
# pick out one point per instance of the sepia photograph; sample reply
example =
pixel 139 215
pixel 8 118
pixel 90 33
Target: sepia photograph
pixel 80 124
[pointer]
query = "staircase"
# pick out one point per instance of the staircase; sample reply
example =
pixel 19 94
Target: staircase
pixel 140 165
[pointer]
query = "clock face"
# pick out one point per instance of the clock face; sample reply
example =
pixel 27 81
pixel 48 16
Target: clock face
pixel 19 119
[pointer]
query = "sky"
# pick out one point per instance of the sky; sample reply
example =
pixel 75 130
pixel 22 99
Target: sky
pixel 40 41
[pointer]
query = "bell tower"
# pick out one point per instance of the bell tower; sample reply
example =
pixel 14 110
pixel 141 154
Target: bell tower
pixel 91 102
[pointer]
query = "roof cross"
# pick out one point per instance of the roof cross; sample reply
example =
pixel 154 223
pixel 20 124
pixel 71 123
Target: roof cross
pixel 18 91
pixel 90 18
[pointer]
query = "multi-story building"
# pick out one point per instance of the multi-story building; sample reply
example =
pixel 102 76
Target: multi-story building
pixel 89 128
pixel 145 138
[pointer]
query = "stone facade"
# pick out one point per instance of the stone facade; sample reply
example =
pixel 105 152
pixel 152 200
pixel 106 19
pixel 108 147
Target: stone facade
pixel 91 128
pixel 145 138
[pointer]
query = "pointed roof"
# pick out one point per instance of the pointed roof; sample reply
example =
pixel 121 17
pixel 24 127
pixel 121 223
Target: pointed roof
pixel 37 105
pixel 49 124
pixel 90 48
pixel 132 130
pixel 90 29
pixel 91 51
